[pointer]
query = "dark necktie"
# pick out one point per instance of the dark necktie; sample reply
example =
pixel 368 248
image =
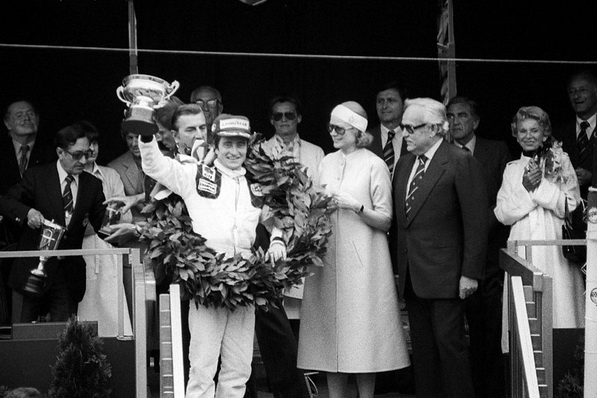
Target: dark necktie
pixel 414 184
pixel 67 195
pixel 388 151
pixel 465 148
pixel 582 142
pixel 23 159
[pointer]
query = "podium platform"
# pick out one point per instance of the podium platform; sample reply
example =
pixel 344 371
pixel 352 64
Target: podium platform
pixel 26 359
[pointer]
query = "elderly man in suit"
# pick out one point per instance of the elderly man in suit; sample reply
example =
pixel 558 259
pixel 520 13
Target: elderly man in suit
pixel 441 237
pixel 484 307
pixel 579 136
pixel 210 101
pixel 388 142
pixel 20 149
pixel 63 193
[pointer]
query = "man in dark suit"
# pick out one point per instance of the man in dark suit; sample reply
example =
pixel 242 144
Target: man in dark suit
pixel 20 149
pixel 388 141
pixel 63 193
pixel 484 307
pixel 579 136
pixel 439 206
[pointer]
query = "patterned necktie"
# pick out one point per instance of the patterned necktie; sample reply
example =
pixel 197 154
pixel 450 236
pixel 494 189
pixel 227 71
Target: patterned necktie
pixel 582 142
pixel 388 151
pixel 414 184
pixel 67 195
pixel 23 159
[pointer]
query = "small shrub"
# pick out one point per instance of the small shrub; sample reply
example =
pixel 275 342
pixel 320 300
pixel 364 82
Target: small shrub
pixel 81 369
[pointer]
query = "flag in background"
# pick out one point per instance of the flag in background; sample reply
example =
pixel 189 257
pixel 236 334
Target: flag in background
pixel 446 49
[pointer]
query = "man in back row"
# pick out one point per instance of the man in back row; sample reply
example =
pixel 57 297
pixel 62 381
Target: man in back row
pixel 275 336
pixel 484 307
pixel 388 142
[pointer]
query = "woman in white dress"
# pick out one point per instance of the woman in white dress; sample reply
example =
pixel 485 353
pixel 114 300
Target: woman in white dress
pixel 350 318
pixel 532 200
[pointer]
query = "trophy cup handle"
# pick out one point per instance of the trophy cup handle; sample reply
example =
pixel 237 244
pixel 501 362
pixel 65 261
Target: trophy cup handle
pixel 173 87
pixel 120 95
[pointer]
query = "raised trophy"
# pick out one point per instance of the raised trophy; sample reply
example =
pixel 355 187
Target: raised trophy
pixel 50 237
pixel 142 94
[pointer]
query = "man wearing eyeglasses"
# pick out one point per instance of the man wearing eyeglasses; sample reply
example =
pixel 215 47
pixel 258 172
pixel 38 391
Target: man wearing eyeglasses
pixel 210 101
pixel 439 207
pixel 276 339
pixel 61 193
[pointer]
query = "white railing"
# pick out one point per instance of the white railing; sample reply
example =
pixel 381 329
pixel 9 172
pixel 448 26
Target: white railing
pixel 171 360
pixel 530 322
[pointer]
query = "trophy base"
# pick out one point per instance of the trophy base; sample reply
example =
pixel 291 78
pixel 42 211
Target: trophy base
pixel 139 120
pixel 35 286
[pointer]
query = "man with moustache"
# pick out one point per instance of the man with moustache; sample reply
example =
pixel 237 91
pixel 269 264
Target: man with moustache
pixel 63 193
pixel 388 141
pixel 484 307
pixel 439 207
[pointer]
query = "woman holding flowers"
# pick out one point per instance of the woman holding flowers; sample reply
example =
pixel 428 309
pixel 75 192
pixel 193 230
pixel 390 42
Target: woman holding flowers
pixel 533 198
pixel 350 319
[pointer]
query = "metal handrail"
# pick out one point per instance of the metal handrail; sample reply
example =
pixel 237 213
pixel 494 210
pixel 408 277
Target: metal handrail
pixel 126 256
pixel 522 333
pixel 541 285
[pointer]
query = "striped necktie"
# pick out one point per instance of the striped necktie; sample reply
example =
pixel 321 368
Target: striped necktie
pixel 414 184
pixel 582 141
pixel 388 151
pixel 23 159
pixel 67 195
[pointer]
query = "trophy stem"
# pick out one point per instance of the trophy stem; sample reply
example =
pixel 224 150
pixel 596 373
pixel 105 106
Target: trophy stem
pixel 40 270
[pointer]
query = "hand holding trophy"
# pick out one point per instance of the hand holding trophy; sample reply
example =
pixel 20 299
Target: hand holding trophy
pixel 142 94
pixel 49 239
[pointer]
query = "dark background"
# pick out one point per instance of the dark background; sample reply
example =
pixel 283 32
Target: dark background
pixel 68 84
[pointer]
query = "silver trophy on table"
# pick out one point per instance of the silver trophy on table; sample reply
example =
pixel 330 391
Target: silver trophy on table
pixel 51 234
pixel 142 94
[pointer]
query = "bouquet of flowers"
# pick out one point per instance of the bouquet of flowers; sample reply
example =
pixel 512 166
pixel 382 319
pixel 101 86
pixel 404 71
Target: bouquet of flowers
pixel 178 255
pixel 551 163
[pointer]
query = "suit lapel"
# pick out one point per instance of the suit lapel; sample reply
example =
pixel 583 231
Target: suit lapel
pixel 400 185
pixel 54 189
pixel 432 175
pixel 132 172
pixel 482 152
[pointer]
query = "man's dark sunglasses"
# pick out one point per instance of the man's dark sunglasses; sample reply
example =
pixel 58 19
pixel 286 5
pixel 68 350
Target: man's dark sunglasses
pixel 411 129
pixel 277 116
pixel 78 155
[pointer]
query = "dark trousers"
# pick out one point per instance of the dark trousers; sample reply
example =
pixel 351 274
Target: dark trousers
pixel 56 301
pixel 484 316
pixel 440 352
pixel 278 348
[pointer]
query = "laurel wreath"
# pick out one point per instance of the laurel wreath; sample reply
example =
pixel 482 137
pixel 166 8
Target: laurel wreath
pixel 178 255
